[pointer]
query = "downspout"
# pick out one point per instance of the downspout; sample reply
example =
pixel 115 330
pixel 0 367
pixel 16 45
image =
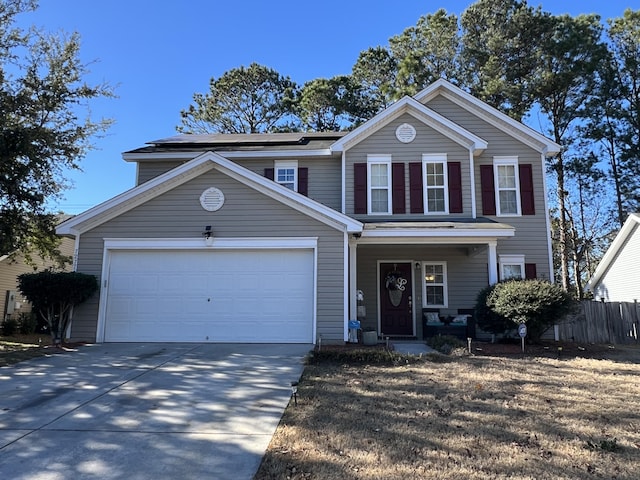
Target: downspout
pixel 76 250
pixel 472 177
pixel 347 286
pixel 344 183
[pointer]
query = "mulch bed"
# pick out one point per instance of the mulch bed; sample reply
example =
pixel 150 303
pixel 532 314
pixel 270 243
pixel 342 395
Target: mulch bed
pixel 513 349
pixel 548 349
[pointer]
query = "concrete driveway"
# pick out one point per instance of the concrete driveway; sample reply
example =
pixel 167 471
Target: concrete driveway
pixel 140 411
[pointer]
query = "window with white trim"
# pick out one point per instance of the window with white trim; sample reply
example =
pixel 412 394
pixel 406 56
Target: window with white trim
pixel 436 198
pixel 286 174
pixel 434 285
pixel 507 183
pixel 511 266
pixel 379 184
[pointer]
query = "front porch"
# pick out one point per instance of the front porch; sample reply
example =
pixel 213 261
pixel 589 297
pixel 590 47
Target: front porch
pixel 406 269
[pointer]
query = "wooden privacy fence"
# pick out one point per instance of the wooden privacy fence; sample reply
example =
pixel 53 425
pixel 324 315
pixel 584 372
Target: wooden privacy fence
pixel 598 322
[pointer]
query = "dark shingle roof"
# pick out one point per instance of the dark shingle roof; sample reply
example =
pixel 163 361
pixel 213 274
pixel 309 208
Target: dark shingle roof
pixel 243 141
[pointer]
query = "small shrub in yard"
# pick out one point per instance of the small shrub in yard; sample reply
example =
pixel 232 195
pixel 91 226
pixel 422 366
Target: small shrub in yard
pixel 27 323
pixel 445 343
pixel 537 303
pixel 9 326
pixel 354 355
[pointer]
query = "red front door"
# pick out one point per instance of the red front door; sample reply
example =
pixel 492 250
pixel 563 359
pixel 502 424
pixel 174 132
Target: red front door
pixel 396 290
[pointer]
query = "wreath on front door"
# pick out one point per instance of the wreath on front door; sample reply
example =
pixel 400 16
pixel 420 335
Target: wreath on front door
pixel 395 284
pixel 395 281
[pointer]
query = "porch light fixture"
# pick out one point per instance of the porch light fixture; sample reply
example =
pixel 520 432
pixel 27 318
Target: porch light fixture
pixel 417 265
pixel 208 236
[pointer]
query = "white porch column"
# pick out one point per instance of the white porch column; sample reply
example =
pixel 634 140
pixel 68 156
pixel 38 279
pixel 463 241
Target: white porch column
pixel 493 262
pixel 353 275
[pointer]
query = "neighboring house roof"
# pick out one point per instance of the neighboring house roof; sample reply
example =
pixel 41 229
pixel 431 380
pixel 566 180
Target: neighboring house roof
pixel 614 250
pixel 498 119
pixel 192 169
pixel 412 107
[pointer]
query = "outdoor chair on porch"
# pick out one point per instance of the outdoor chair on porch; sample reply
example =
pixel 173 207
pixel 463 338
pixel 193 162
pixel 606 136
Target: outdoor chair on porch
pixel 461 325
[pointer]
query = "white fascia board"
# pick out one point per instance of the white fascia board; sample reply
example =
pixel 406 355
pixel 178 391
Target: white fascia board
pixel 614 249
pixel 495 117
pixel 422 113
pixel 147 156
pixel 133 197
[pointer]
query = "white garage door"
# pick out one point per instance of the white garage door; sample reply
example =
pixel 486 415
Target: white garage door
pixel 260 296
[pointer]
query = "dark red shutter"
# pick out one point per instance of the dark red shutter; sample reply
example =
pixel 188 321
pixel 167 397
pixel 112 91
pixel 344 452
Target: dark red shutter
pixel 530 271
pixel 527 198
pixel 359 188
pixel 303 181
pixel 488 190
pixel 416 197
pixel 397 182
pixel 269 173
pixel 454 172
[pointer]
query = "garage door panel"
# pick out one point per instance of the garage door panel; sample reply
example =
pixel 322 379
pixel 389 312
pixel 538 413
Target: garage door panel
pixel 221 296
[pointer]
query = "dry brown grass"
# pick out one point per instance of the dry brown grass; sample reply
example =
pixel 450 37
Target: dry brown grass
pixel 470 417
pixel 16 348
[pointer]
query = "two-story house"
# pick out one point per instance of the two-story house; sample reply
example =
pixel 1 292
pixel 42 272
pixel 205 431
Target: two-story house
pixel 269 237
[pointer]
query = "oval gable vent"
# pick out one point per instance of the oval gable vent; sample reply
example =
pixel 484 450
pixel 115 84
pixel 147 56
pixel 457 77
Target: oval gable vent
pixel 406 133
pixel 212 199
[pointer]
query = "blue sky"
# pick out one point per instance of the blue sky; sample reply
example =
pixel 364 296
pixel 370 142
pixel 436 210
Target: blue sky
pixel 158 53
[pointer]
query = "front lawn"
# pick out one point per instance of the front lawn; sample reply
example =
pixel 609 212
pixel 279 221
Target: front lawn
pixel 16 348
pixel 464 417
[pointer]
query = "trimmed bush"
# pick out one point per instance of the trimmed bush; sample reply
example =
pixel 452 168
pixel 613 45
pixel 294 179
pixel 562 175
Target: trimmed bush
pixel 537 303
pixel 486 318
pixel 54 294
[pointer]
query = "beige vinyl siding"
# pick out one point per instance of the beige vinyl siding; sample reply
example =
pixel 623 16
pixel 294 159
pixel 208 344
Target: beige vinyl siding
pixel 620 281
pixel 325 174
pixel 246 213
pixel 531 237
pixel 466 274
pixel 427 140
pixel 10 268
